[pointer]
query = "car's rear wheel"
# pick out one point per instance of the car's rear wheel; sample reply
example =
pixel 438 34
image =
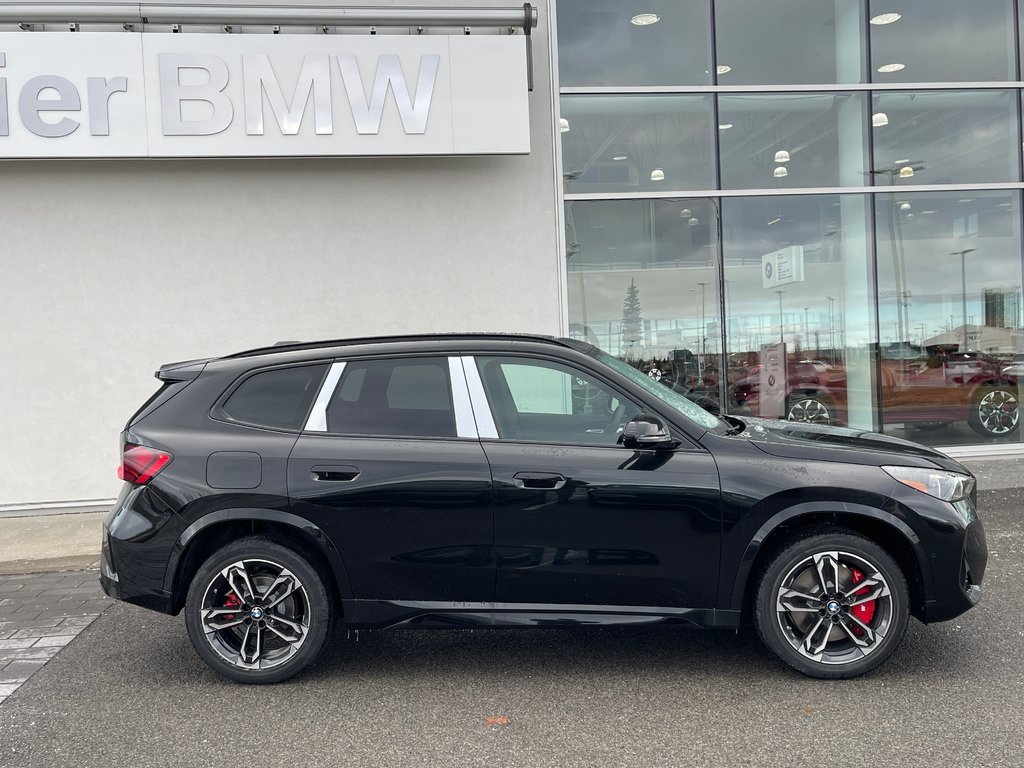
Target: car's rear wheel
pixel 832 605
pixel 812 409
pixel 258 612
pixel 995 411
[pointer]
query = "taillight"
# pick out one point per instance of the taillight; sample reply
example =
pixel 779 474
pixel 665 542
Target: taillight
pixel 140 464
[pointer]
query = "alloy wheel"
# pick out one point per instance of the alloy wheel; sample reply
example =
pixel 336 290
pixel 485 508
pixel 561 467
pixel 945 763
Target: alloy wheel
pixel 998 412
pixel 255 614
pixel 834 607
pixel 810 410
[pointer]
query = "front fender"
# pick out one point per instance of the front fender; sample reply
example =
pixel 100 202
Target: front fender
pixel 818 508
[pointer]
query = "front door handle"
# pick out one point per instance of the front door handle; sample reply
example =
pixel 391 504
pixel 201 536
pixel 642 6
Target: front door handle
pixel 543 480
pixel 334 474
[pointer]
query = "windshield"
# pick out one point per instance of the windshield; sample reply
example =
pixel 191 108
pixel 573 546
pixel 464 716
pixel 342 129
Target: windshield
pixel 670 397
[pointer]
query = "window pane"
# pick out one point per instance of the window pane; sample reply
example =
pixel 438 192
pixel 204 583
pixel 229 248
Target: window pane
pixel 393 397
pixel 640 274
pixel 795 140
pixel 949 278
pixel 547 402
pixel 601 42
pixel 799 308
pixel 279 398
pixel 941 41
pixel 752 37
pixel 633 143
pixel 945 137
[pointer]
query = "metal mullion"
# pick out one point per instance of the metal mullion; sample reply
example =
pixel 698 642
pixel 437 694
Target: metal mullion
pixel 783 89
pixel 676 193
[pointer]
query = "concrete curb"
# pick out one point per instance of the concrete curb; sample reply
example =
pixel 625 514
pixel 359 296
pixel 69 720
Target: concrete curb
pixel 50 542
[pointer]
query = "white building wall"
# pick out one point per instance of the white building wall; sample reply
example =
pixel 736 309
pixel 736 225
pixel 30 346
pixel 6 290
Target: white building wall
pixel 110 268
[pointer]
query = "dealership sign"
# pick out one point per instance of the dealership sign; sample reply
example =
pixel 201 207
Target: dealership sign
pixel 65 94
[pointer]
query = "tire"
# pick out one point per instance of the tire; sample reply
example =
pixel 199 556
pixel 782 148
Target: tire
pixel 818 631
pixel 995 411
pixel 810 409
pixel 284 611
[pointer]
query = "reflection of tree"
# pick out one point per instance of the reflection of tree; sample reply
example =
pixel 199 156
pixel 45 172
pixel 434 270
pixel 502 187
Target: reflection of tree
pixel 632 322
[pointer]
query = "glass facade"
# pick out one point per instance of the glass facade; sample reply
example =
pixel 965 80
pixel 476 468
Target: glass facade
pixel 833 236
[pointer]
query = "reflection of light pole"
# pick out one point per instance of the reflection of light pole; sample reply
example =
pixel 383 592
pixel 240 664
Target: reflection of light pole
pixel 963 291
pixel 702 339
pixel 782 327
pixel 807 330
pixel 906 170
pixel 831 330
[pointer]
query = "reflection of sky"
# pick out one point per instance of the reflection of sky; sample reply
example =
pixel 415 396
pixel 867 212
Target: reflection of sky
pixel 597 45
pixel 943 40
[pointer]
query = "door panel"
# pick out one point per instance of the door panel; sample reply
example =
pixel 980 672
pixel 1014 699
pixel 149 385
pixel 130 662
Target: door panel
pixel 581 520
pixel 625 528
pixel 412 518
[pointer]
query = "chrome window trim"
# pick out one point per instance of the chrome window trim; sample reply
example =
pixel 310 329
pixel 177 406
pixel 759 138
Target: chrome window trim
pixel 481 407
pixel 465 424
pixel 317 421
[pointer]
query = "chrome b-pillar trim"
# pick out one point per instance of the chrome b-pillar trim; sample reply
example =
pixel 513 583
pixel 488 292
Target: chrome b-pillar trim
pixel 481 408
pixel 317 421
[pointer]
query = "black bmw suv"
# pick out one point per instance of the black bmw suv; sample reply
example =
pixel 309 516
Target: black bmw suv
pixel 485 480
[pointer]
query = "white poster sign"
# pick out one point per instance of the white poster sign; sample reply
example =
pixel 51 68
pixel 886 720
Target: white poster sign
pixel 773 384
pixel 233 95
pixel 783 267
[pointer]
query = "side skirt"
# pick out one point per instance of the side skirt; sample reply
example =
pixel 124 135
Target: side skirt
pixel 382 614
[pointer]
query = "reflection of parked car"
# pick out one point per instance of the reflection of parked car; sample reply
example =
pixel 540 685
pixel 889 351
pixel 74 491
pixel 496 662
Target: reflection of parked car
pixel 943 388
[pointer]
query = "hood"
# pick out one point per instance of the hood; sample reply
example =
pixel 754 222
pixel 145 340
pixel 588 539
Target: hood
pixel 793 439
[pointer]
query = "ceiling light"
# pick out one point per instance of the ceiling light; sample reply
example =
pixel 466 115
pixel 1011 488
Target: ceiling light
pixel 782 156
pixel 906 172
pixel 723 68
pixel 658 174
pixel 780 172
pixel 905 206
pixel 885 18
pixel 777 219
pixel 563 125
pixel 645 19
pixel 927 213
pixel 694 221
pixel 966 200
pixel 724 126
pixel 891 67
pixel 879 119
pixel 685 213
pixel 910 216
pixel 620 157
pixel 901 162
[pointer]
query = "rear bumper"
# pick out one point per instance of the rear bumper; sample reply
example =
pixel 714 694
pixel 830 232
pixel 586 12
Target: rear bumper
pixel 132 565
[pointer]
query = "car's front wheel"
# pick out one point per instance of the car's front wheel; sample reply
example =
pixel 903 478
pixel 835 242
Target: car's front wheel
pixel 258 612
pixel 832 605
pixel 995 411
pixel 811 409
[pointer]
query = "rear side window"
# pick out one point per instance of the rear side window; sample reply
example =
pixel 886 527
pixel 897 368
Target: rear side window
pixel 279 398
pixel 409 397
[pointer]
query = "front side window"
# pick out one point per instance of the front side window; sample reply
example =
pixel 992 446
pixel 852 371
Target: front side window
pixel 409 397
pixel 547 402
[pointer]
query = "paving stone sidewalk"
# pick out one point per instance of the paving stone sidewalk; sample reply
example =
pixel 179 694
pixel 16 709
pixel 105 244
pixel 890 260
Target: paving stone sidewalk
pixel 40 613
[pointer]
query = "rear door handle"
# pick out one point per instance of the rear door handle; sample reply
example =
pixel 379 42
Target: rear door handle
pixel 545 480
pixel 334 474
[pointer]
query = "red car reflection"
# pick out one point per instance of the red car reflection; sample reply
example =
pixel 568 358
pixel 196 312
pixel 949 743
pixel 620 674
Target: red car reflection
pixel 943 388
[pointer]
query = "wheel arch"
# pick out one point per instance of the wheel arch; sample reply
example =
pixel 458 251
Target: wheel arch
pixel 884 528
pixel 212 531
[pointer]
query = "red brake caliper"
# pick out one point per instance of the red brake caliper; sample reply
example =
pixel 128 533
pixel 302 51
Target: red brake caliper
pixel 232 601
pixel 864 612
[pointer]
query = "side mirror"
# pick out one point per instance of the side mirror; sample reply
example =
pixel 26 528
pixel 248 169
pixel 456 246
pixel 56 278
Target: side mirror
pixel 646 431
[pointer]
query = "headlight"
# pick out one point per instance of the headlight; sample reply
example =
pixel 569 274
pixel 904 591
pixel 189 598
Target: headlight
pixel 940 483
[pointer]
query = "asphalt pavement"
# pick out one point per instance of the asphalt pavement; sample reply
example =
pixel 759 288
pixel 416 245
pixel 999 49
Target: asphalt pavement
pixel 129 690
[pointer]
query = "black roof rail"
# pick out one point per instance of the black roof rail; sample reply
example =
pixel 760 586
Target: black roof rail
pixel 284 346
